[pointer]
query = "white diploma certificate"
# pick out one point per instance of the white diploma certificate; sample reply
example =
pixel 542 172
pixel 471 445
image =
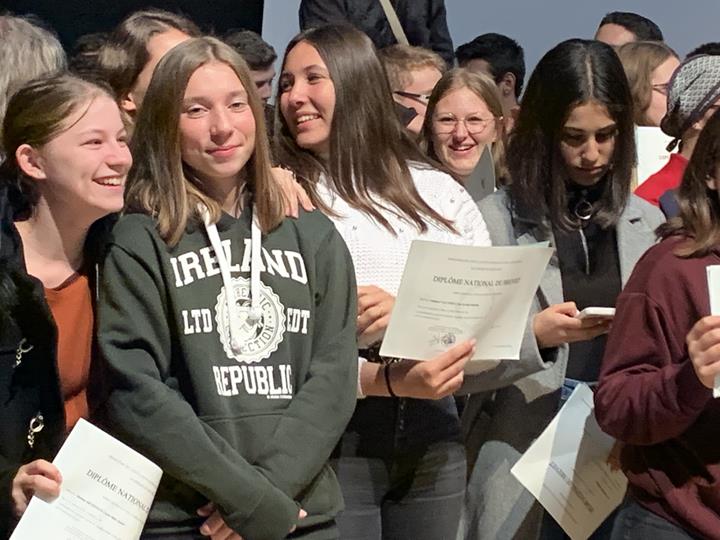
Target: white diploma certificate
pixel 106 491
pixel 713 279
pixel 567 470
pixel 451 293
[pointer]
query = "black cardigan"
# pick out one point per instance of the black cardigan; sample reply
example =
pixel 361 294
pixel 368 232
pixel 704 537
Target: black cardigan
pixel 29 381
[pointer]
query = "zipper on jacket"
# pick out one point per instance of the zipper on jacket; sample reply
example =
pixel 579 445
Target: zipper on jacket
pixel 37 423
pixel 21 350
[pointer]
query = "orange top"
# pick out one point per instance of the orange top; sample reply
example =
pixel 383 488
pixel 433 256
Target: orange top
pixel 71 307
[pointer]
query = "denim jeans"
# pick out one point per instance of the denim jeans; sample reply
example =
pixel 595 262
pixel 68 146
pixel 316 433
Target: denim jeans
pixel 405 481
pixel 637 523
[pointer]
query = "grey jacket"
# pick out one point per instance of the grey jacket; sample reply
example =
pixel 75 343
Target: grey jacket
pixel 500 426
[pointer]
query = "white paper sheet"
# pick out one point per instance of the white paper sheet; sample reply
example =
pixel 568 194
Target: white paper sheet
pixel 452 293
pixel 106 492
pixel 652 151
pixel 567 470
pixel 713 278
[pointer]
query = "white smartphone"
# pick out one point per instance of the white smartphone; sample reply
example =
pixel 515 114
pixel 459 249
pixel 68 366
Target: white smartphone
pixel 596 313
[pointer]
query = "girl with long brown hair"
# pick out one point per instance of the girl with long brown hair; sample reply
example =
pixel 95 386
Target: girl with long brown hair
pixel 227 331
pixel 401 463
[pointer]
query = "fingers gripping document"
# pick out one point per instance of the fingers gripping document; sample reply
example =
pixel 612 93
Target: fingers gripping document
pixel 106 492
pixel 713 278
pixel 569 468
pixel 451 293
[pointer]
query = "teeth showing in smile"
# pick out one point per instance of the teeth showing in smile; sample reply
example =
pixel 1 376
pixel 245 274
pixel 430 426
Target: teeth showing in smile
pixel 461 148
pixel 307 118
pixel 115 181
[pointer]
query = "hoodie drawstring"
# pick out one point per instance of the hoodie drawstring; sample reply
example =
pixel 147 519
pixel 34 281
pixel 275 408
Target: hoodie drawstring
pixel 255 312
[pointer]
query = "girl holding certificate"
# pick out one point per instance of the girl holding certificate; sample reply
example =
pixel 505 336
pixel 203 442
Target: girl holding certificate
pixel 66 163
pixel 570 162
pixel 401 463
pixel 227 332
pixel 661 363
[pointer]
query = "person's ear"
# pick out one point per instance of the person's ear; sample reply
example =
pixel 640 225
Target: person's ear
pixel 710 182
pixel 507 84
pixel 127 103
pixel 30 162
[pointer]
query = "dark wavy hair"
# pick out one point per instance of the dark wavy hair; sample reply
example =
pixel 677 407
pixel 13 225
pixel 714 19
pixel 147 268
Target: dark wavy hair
pixel 573 73
pixel 699 217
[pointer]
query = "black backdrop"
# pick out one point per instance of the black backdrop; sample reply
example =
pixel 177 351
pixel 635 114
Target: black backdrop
pixel 73 18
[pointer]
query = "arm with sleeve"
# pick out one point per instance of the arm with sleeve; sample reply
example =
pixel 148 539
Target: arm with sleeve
pixel 532 359
pixel 148 413
pixel 317 416
pixel 645 395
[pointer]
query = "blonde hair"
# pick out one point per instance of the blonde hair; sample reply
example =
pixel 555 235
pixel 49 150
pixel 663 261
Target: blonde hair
pixel 160 184
pixel 484 87
pixel 400 60
pixel 639 59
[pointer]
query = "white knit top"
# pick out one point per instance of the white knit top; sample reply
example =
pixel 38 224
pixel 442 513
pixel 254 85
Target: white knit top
pixel 379 257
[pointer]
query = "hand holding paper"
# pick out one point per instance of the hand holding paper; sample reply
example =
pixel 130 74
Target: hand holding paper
pixel 106 493
pixel 374 308
pixel 434 379
pixel 702 342
pixel 39 478
pixel 713 278
pixel 452 293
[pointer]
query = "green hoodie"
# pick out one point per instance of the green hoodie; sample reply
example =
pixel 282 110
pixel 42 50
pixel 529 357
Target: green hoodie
pixel 248 418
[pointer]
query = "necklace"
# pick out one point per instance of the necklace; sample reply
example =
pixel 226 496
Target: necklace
pixel 583 209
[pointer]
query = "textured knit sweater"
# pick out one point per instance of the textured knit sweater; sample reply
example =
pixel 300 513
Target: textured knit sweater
pixel 650 398
pixel 378 255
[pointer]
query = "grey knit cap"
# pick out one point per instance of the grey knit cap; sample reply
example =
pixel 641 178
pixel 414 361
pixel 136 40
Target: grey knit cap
pixel 693 88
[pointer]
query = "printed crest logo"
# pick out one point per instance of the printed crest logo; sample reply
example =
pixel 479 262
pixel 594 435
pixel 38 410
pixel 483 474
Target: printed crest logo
pixel 258 339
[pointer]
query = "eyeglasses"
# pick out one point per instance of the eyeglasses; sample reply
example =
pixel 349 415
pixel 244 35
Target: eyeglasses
pixel 661 88
pixel 447 123
pixel 421 98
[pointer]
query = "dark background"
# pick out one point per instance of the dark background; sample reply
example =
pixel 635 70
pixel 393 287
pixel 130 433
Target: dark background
pixel 73 18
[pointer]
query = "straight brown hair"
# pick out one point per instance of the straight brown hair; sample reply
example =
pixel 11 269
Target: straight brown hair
pixel 159 183
pixel 369 149
pixel 699 217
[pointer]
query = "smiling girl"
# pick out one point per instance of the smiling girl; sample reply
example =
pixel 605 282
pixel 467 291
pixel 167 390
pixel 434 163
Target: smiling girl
pixel 401 463
pixel 66 167
pixel 227 331
pixel 570 160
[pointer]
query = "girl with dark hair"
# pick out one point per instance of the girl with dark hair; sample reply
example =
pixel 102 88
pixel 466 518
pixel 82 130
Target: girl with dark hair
pixel 66 163
pixel 655 392
pixel 227 332
pixel 570 161
pixel 401 463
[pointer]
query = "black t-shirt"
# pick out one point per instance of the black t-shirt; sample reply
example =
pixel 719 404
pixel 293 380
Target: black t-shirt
pixel 590 270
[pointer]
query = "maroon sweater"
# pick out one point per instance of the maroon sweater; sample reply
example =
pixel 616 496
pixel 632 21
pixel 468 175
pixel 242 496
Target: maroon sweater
pixel 650 398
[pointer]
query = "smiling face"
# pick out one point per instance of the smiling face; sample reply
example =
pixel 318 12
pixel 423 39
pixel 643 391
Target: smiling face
pixel 462 125
pixel 587 143
pixel 82 170
pixel 307 98
pixel 217 126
